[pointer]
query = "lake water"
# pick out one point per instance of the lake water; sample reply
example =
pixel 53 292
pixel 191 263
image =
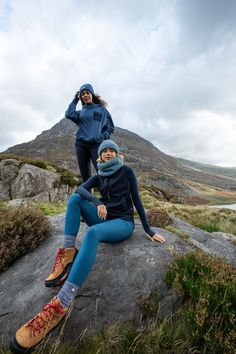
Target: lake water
pixel 229 206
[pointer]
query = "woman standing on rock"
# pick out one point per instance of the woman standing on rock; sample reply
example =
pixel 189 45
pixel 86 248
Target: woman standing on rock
pixel 110 220
pixel 94 125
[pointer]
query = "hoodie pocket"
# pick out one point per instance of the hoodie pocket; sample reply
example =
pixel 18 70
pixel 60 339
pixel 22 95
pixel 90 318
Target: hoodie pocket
pixel 97 116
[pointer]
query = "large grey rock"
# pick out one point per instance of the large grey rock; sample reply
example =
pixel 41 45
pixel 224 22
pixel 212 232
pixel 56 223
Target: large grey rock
pixel 172 185
pixel 8 171
pixel 216 243
pixel 4 191
pixel 123 273
pixel 30 183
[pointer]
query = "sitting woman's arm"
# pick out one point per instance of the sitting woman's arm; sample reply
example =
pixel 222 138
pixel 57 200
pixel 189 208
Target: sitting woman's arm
pixel 140 209
pixel 84 190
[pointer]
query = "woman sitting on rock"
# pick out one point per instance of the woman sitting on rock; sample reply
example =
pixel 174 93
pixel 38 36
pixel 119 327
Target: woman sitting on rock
pixel 110 220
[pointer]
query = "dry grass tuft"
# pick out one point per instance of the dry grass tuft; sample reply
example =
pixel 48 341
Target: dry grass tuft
pixel 21 231
pixel 158 217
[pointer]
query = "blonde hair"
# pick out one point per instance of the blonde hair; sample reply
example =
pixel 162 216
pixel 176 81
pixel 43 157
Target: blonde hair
pixel 117 155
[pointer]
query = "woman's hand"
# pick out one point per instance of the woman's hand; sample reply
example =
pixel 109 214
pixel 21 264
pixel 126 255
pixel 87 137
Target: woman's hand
pixel 102 211
pixel 157 238
pixel 77 95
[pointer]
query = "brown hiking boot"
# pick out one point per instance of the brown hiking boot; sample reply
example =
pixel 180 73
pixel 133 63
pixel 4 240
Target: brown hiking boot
pixel 63 263
pixel 31 333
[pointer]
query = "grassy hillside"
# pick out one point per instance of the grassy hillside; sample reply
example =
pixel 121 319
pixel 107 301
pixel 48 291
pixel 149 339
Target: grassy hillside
pixel 217 170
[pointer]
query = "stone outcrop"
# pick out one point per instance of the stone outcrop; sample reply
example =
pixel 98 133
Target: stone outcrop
pixel 123 273
pixel 216 243
pixel 21 181
pixel 8 171
pixel 172 185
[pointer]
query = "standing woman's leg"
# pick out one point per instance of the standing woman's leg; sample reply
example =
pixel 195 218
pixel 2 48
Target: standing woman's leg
pixel 94 155
pixel 83 158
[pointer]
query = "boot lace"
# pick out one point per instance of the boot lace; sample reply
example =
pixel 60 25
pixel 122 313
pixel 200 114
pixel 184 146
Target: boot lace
pixel 58 260
pixel 44 317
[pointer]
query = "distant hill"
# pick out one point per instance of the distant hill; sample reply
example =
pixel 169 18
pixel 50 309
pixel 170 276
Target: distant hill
pixel 216 170
pixel 152 165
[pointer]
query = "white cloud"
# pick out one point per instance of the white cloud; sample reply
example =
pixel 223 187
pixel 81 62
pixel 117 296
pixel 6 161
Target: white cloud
pixel 162 67
pixel 200 136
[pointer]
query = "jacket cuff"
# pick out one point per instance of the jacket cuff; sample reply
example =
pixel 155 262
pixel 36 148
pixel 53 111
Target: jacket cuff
pixel 75 100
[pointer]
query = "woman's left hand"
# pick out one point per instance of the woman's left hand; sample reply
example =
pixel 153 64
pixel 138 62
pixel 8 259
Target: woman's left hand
pixel 157 238
pixel 102 211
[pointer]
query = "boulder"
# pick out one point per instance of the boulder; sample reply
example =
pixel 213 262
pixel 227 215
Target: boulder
pixel 28 182
pixel 8 171
pixel 4 191
pixel 32 181
pixel 216 243
pixel 172 186
pixel 122 273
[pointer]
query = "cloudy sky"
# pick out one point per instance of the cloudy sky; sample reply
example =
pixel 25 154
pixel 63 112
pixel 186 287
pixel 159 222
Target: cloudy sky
pixel 167 68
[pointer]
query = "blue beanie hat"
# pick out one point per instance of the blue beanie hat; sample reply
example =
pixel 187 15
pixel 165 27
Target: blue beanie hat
pixel 87 87
pixel 108 144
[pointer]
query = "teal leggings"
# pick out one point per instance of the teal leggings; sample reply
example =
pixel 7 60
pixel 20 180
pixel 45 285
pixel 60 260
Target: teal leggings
pixel 110 231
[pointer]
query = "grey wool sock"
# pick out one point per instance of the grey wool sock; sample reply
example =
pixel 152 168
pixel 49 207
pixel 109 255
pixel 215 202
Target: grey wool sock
pixel 67 293
pixel 69 241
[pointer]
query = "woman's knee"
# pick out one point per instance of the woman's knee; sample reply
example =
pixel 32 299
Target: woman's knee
pixel 91 235
pixel 74 199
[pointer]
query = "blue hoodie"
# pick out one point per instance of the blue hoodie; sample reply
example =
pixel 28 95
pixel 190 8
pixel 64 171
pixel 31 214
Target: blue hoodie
pixel 93 120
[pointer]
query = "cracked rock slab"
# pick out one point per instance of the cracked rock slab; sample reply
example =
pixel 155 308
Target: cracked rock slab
pixel 122 273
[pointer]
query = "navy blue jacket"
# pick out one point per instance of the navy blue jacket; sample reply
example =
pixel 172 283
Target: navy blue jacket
pixel 93 120
pixel 119 192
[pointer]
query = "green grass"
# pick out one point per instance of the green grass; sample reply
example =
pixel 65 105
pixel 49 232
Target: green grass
pixel 48 208
pixel 208 225
pixel 209 219
pixel 52 208
pixel 149 304
pixel 215 221
pixel 219 199
pixel 179 233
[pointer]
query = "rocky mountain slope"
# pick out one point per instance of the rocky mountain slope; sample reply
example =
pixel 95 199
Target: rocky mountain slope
pixel 152 165
pixel 216 170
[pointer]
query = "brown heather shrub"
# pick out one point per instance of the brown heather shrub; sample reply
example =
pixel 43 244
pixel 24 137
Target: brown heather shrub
pixel 158 217
pixel 208 285
pixel 21 231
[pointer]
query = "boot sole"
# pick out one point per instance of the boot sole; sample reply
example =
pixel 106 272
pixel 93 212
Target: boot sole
pixel 16 348
pixel 62 277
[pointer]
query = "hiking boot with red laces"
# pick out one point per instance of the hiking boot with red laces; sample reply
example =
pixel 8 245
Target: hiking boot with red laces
pixel 31 333
pixel 63 263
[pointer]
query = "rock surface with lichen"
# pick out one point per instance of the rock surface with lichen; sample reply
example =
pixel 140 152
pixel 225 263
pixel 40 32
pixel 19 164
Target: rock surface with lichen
pixel 123 273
